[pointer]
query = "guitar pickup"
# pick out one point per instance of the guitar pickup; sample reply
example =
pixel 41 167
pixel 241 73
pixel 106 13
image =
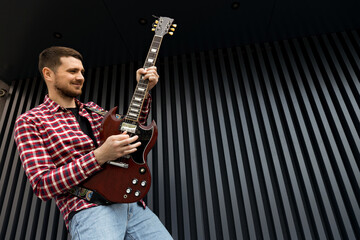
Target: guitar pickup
pixel 128 127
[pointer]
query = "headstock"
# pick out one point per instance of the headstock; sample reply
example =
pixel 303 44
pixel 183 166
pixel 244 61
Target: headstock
pixel 163 26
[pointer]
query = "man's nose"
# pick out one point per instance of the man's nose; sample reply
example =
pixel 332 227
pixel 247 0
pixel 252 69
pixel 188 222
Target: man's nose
pixel 79 76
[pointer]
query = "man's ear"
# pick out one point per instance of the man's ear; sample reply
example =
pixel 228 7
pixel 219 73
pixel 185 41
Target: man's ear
pixel 47 73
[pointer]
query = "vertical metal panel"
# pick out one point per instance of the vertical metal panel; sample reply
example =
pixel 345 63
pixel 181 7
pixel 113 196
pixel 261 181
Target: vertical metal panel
pixel 201 156
pixel 255 142
pixel 279 107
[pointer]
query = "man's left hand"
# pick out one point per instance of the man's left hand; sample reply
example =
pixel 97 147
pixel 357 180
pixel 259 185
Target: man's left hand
pixel 148 73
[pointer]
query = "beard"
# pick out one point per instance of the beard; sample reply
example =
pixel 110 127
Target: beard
pixel 66 91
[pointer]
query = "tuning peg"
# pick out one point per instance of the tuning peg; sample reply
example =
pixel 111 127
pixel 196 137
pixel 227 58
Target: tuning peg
pixel 172 29
pixel 156 21
pixel 153 29
pixel 171 33
pixel 174 25
pixel 154 25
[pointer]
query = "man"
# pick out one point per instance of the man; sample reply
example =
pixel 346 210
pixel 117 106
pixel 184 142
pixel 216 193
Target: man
pixel 58 142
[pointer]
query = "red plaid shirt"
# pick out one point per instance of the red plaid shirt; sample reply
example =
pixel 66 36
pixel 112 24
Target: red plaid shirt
pixel 56 155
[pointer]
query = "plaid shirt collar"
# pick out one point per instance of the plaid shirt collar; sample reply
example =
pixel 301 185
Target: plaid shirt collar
pixel 55 107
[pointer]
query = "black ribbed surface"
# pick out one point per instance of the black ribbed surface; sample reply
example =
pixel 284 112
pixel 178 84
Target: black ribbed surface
pixel 255 142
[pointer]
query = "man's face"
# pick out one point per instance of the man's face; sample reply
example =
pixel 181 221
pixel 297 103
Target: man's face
pixel 69 78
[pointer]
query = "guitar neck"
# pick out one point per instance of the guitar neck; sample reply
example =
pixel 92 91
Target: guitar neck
pixel 153 51
pixel 141 89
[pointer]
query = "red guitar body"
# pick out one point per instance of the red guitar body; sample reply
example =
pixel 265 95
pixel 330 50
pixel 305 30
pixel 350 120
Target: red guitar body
pixel 129 180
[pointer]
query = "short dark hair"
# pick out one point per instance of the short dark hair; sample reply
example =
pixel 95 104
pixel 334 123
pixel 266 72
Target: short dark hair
pixel 50 57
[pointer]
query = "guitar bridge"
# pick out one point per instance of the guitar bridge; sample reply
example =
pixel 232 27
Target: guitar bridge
pixel 128 127
pixel 119 164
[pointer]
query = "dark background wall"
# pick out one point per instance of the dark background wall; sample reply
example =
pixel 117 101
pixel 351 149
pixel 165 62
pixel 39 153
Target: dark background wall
pixel 255 142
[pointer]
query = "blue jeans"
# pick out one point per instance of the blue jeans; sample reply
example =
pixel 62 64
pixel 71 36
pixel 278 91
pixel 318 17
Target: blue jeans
pixel 117 221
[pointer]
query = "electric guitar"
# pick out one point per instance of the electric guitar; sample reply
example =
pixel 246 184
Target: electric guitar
pixel 128 179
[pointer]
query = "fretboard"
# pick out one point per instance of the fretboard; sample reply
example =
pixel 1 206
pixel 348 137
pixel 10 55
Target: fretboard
pixel 142 86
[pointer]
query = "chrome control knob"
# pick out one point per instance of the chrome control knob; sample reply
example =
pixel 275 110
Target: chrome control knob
pixel 135 181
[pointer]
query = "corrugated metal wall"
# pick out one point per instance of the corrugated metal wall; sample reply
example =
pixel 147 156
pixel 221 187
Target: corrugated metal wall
pixel 255 142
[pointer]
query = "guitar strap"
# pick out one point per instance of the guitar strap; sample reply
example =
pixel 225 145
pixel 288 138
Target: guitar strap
pixel 85 193
pixel 89 195
pixel 102 113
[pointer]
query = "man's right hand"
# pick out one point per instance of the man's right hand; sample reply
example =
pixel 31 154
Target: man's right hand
pixel 116 146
